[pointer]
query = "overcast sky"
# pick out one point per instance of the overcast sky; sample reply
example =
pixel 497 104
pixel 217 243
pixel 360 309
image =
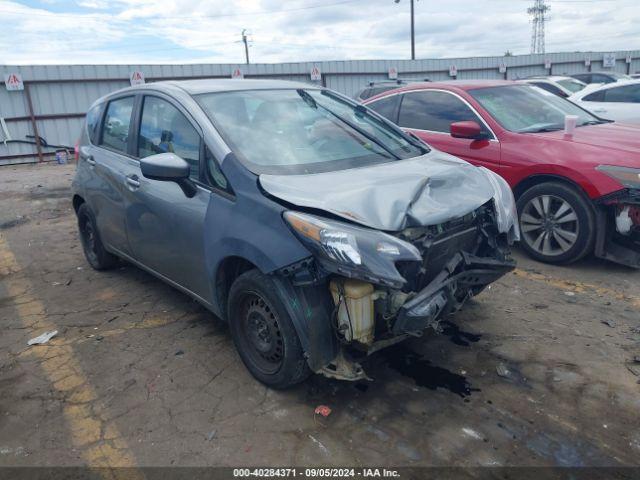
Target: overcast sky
pixel 190 31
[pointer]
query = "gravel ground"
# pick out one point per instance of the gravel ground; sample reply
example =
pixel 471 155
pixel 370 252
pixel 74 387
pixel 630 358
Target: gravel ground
pixel 538 370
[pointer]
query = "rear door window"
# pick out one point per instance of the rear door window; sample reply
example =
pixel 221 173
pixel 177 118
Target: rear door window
pixel 165 129
pixel 595 97
pixel 387 107
pixel 115 130
pixel 626 94
pixel 435 111
pixel 584 77
pixel 366 93
pixel 93 121
pixel 550 88
pixel 599 78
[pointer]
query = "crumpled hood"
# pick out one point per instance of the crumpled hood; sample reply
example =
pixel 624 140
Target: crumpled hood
pixel 426 190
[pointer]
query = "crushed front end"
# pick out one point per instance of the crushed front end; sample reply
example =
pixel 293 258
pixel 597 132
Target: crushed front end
pixel 387 287
pixel 618 227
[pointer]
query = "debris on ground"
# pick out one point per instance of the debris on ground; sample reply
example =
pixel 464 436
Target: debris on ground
pixel 502 371
pixel 635 369
pixel 179 352
pixel 212 434
pixel 472 433
pixel 323 410
pixel 609 323
pixel 636 359
pixel 570 294
pixel 42 339
pixel 317 442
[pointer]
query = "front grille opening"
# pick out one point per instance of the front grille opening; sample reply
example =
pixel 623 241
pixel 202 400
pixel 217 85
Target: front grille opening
pixel 439 243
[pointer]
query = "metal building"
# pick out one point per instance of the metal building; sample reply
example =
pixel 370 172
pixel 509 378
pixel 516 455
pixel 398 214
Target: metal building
pixel 54 98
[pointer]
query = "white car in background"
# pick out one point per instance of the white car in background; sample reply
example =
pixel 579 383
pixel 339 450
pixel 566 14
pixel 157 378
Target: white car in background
pixel 618 101
pixel 556 84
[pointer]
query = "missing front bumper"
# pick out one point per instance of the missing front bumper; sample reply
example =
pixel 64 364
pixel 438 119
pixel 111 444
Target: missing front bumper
pixel 464 275
pixel 611 244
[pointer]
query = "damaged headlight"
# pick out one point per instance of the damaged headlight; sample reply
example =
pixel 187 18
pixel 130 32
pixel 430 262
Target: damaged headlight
pixel 505 205
pixel 628 177
pixel 353 251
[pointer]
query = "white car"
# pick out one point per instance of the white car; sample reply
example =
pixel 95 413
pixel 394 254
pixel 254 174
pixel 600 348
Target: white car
pixel 618 101
pixel 556 84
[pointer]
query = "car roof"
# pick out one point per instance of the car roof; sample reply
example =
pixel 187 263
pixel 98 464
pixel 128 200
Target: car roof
pixel 595 87
pixel 552 78
pixel 619 83
pixel 452 85
pixel 195 87
pixel 600 72
pixel 213 85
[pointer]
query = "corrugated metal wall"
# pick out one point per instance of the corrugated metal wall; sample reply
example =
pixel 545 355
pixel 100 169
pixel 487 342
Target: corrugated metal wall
pixel 61 94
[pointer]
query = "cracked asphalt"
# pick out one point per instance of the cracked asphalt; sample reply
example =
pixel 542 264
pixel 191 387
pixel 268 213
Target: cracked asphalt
pixel 538 370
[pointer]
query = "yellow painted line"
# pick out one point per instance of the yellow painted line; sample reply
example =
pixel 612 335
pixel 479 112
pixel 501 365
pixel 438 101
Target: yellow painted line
pixel 98 439
pixel 578 287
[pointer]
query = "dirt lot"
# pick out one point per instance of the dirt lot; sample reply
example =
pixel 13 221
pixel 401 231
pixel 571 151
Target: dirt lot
pixel 537 370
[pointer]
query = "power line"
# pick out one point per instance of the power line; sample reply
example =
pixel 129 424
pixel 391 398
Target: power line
pixel 538 12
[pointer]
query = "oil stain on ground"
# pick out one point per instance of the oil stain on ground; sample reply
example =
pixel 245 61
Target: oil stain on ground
pixel 457 336
pixel 412 365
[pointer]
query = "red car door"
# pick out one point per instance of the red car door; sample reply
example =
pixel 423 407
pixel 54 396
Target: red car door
pixel 429 113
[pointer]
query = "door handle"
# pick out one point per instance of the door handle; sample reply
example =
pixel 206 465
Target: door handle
pixel 599 110
pixel 133 181
pixel 87 157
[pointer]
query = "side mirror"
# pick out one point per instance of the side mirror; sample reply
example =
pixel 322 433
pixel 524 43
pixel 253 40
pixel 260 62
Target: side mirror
pixel 466 129
pixel 168 167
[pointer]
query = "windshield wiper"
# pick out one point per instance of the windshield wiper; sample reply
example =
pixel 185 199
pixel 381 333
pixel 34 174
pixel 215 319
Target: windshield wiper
pixel 547 128
pixel 309 100
pixel 594 122
pixel 362 111
pixel 361 131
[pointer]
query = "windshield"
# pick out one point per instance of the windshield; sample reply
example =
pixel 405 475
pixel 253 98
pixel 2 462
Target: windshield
pixel 304 131
pixel 524 108
pixel 572 85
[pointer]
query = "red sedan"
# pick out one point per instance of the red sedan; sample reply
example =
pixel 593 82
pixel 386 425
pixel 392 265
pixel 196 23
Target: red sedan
pixel 577 193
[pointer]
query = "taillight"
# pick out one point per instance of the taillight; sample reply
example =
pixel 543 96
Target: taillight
pixel 76 151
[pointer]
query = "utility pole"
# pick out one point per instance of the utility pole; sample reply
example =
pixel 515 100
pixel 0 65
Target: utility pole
pixel 413 30
pixel 538 12
pixel 246 45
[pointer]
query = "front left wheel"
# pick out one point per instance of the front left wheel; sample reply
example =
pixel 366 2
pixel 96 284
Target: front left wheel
pixel 263 332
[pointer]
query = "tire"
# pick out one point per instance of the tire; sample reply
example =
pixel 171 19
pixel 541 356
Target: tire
pixel 263 332
pixel 92 246
pixel 557 223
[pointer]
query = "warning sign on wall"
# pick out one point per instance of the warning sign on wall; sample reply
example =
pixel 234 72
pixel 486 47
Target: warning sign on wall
pixel 609 60
pixel 393 73
pixel 316 76
pixel 136 78
pixel 13 81
pixel 237 73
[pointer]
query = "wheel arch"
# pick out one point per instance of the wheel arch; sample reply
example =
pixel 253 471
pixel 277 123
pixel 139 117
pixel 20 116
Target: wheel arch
pixel 228 270
pixel 537 179
pixel 77 201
